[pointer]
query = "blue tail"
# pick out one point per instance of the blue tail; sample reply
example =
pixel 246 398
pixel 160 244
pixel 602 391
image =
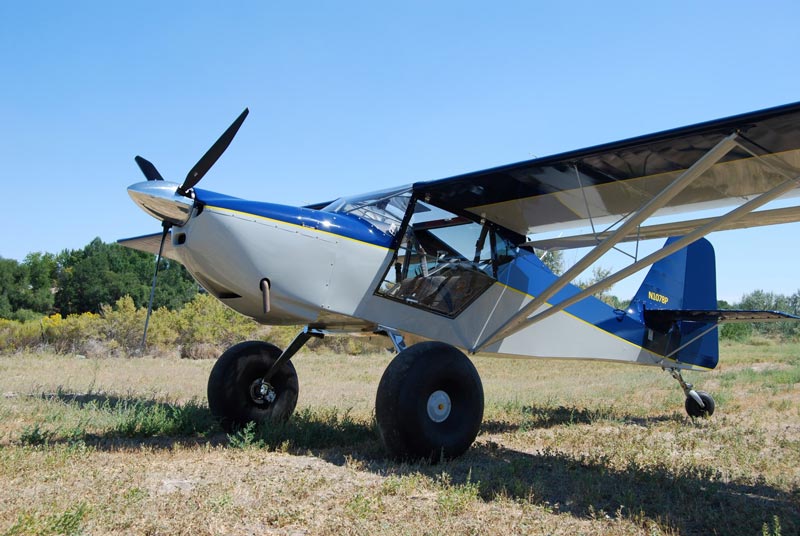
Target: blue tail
pixel 676 288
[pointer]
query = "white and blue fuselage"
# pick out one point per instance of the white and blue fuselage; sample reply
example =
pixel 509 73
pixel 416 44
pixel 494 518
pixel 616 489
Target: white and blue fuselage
pixel 329 270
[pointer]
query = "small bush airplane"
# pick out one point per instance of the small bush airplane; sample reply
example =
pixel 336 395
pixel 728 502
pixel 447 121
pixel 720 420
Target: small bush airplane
pixel 453 263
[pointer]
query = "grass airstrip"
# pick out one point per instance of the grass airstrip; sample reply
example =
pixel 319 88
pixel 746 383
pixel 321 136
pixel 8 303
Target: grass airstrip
pixel 127 446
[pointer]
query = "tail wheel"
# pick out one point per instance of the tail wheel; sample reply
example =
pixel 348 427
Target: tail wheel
pixel 235 394
pixel 429 403
pixel 693 408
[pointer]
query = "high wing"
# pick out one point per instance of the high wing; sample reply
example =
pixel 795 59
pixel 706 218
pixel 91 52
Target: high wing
pixel 743 162
pixel 149 244
pixel 603 184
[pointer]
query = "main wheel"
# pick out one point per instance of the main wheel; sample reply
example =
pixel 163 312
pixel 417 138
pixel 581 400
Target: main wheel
pixel 234 386
pixel 429 403
pixel 693 408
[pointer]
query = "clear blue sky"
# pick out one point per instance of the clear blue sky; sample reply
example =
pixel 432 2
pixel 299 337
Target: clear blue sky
pixel 347 97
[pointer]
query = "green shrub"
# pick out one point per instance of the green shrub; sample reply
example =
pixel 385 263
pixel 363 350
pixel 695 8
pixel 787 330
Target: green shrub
pixel 123 324
pixel 281 336
pixel 162 332
pixel 16 336
pixel 73 333
pixel 25 315
pixel 739 332
pixel 206 321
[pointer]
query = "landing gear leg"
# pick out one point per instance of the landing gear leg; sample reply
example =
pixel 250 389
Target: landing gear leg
pixel 698 403
pixel 299 341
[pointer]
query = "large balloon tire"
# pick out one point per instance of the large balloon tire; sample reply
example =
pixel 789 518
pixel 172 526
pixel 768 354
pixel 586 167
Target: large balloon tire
pixel 415 420
pixel 694 410
pixel 229 386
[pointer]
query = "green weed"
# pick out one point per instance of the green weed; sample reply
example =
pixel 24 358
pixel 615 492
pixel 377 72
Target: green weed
pixel 782 378
pixel 245 438
pixel 770 378
pixel 67 523
pixel 134 495
pixel 363 506
pixel 548 415
pixel 78 419
pixel 309 428
pixel 35 436
pixel 219 504
pixel 774 529
pixel 406 484
pixel 149 418
pixel 454 499
pixel 780 405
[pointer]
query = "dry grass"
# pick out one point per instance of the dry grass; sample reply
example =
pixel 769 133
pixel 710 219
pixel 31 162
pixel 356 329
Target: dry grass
pixel 126 446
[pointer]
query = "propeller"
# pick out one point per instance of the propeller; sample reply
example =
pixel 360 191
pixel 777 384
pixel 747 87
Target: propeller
pixel 212 155
pixel 192 178
pixel 149 170
pixel 203 165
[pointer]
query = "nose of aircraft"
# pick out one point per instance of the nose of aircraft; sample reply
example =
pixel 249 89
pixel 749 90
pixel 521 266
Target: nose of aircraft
pixel 172 203
pixel 160 200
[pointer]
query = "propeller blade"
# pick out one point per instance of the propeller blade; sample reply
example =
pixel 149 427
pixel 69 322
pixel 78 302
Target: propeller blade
pixel 149 170
pixel 212 155
pixel 155 278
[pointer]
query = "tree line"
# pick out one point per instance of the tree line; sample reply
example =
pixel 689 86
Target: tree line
pixel 83 280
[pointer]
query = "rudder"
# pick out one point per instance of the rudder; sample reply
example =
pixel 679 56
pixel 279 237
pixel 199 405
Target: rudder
pixel 684 280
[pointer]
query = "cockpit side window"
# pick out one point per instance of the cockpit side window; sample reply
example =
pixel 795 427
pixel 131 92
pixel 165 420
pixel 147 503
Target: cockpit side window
pixel 444 262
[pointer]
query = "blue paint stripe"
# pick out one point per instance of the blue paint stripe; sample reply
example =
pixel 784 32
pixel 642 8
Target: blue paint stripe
pixel 529 275
pixel 340 224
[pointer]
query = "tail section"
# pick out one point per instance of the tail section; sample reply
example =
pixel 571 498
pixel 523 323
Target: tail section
pixel 684 282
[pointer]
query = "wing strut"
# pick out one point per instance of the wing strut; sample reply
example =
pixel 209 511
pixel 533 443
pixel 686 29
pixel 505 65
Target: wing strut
pixel 521 320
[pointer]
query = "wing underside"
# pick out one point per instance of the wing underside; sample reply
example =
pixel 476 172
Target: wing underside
pixel 742 163
pixel 603 185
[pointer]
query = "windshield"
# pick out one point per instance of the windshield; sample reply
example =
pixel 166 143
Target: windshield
pixel 384 209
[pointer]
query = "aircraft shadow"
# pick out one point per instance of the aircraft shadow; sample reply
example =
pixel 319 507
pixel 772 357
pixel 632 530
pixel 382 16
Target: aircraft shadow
pixel 164 425
pixel 700 502
pixel 697 501
pixel 140 422
pixel 545 416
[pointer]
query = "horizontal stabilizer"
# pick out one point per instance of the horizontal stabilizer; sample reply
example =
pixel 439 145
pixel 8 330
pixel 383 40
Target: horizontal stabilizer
pixel 149 244
pixel 661 319
pixel 665 230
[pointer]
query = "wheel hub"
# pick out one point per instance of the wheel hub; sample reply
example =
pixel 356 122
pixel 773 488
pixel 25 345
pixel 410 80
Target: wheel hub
pixel 262 392
pixel 439 406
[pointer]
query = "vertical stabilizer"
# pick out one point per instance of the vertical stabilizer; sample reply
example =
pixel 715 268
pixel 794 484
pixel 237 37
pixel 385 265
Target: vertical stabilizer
pixel 683 281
